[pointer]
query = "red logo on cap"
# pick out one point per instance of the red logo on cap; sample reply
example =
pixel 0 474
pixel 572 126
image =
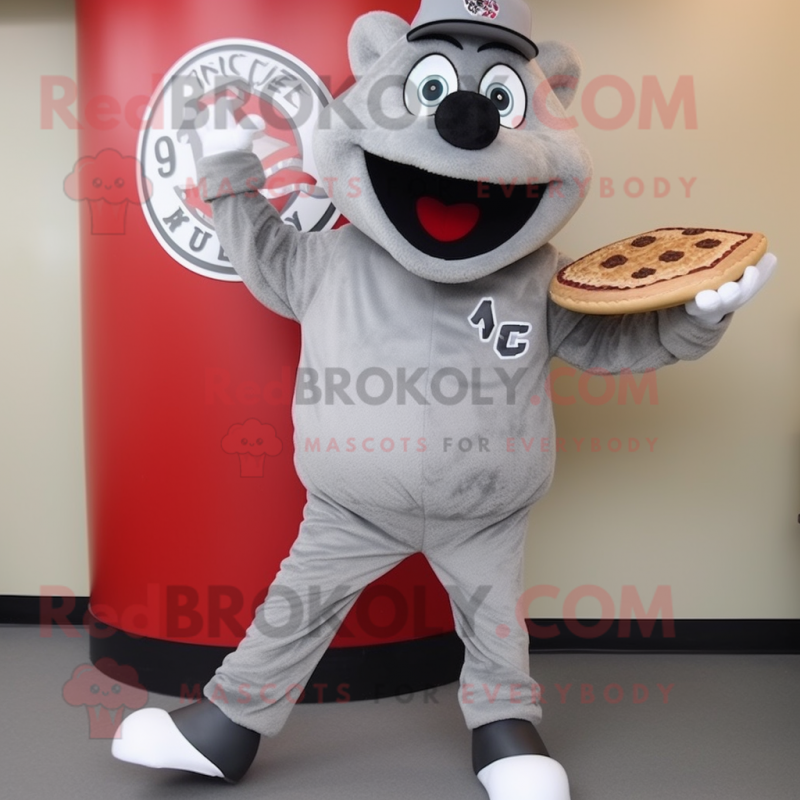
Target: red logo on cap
pixel 482 8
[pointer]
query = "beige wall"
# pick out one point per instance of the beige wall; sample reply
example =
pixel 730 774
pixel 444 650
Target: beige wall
pixel 711 512
pixel 42 517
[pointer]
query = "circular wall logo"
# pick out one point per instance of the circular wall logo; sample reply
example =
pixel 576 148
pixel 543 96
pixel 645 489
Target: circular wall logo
pixel 250 78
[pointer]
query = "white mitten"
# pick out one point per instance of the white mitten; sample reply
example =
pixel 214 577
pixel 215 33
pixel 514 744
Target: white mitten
pixel 221 133
pixel 709 307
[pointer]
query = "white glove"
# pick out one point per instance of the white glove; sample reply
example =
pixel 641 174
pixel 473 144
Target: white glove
pixel 709 307
pixel 221 133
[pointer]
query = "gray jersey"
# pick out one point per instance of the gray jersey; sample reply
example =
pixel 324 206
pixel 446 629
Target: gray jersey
pixel 414 397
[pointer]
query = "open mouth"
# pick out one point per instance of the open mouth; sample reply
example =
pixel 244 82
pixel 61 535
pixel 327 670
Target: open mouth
pixel 451 218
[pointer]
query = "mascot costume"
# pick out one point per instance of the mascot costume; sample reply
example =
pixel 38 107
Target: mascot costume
pixel 427 333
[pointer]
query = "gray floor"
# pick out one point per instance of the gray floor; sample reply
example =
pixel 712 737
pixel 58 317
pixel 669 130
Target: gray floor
pixel 729 729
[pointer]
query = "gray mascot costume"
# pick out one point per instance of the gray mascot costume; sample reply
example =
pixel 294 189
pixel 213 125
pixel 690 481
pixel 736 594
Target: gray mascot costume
pixel 427 335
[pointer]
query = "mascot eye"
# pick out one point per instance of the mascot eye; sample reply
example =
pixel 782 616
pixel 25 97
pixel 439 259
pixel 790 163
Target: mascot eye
pixel 505 89
pixel 432 91
pixel 431 80
pixel 119 183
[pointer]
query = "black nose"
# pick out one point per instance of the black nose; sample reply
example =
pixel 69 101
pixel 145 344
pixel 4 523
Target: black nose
pixel 468 120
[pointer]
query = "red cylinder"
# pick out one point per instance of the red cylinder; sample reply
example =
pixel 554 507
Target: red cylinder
pixel 192 495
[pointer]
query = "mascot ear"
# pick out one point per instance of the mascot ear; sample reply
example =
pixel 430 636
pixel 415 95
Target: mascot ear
pixel 371 37
pixel 562 68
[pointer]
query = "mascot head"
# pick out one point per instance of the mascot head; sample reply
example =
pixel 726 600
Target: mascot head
pixel 453 150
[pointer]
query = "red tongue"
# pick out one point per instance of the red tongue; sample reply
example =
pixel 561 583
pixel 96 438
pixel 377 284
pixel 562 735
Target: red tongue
pixel 447 223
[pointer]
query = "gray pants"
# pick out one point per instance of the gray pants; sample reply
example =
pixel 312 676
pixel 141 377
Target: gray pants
pixel 336 554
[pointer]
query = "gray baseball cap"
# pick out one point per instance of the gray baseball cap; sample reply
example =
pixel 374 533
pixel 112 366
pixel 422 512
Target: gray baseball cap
pixel 506 21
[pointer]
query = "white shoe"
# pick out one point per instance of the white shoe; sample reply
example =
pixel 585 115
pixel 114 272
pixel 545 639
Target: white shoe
pixel 149 737
pixel 525 778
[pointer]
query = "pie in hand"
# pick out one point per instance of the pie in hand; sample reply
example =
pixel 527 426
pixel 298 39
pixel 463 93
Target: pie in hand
pixel 654 270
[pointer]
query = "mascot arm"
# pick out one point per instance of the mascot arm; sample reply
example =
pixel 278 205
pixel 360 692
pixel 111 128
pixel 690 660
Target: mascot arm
pixel 281 266
pixel 635 342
